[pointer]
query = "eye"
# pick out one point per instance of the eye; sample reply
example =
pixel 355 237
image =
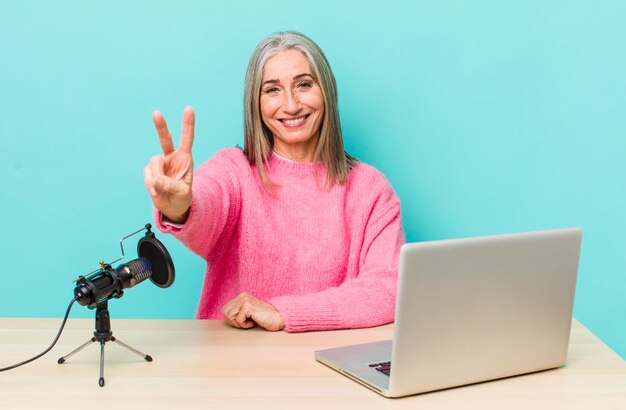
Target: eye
pixel 270 90
pixel 305 84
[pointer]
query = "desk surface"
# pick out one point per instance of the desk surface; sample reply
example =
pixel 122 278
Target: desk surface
pixel 207 364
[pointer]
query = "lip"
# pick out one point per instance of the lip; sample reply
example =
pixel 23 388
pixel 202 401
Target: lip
pixel 289 122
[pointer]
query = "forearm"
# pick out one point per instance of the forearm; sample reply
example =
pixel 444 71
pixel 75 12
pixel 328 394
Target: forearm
pixel 203 226
pixel 214 202
pixel 355 304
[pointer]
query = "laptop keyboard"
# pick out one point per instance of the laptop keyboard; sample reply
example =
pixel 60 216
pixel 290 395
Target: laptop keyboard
pixel 383 367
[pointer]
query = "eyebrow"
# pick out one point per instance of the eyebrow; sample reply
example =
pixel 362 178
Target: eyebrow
pixel 276 81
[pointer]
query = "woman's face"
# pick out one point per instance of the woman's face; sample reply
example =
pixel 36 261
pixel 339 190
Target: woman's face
pixel 292 105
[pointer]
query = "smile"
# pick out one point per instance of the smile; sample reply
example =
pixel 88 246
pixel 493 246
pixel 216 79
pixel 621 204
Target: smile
pixel 294 122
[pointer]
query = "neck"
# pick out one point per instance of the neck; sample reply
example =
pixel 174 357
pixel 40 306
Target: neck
pixel 298 153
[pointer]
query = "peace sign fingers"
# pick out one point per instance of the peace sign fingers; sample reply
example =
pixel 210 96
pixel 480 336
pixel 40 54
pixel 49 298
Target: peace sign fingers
pixel 165 138
pixel 186 139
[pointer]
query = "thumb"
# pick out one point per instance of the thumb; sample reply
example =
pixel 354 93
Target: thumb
pixel 169 185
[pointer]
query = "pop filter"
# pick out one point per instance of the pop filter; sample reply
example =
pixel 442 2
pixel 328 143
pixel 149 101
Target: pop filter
pixel 151 248
pixel 154 262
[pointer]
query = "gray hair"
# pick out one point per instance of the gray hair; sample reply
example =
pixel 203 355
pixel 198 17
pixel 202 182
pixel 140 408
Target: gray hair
pixel 258 140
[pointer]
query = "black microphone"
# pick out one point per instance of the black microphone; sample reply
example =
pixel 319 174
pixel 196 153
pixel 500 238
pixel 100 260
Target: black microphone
pixel 154 262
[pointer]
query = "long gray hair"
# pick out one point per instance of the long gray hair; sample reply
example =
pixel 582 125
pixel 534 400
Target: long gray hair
pixel 258 140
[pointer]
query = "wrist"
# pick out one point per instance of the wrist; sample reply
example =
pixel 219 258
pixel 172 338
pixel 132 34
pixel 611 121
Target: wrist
pixel 279 323
pixel 177 219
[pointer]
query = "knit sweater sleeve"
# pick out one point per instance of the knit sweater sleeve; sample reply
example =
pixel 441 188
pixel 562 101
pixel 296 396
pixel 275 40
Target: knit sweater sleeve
pixel 215 204
pixel 368 299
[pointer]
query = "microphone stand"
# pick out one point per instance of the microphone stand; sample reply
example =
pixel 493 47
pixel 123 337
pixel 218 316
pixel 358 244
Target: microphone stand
pixel 103 334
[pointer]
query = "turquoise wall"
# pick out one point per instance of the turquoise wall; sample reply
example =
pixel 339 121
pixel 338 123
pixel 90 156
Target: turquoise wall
pixel 487 117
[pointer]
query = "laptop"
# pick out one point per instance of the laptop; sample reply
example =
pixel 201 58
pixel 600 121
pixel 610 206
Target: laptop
pixel 471 310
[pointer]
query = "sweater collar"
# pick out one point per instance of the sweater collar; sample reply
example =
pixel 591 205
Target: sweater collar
pixel 279 164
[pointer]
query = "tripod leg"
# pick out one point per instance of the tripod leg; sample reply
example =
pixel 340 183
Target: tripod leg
pixel 73 352
pixel 101 380
pixel 146 357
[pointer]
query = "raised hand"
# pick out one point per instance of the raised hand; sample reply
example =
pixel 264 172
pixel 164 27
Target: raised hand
pixel 168 177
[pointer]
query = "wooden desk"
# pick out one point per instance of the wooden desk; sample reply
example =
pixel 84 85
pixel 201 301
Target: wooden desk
pixel 207 364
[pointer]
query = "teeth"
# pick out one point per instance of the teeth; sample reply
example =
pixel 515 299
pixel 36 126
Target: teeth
pixel 294 122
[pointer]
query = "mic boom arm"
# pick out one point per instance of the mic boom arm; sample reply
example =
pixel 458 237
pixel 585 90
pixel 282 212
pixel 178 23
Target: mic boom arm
pixel 148 228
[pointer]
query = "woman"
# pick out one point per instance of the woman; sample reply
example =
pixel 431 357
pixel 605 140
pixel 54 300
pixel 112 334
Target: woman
pixel 296 233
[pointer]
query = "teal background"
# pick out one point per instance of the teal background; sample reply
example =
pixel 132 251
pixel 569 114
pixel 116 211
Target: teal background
pixel 487 117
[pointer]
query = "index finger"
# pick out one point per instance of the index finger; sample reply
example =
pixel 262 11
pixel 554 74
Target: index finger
pixel 189 120
pixel 165 138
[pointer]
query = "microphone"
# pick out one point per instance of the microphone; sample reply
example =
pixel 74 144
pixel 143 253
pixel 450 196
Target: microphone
pixel 154 263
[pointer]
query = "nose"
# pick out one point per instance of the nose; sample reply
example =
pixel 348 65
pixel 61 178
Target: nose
pixel 291 103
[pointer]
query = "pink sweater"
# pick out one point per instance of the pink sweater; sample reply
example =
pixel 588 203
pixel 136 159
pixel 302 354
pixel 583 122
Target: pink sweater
pixel 324 259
